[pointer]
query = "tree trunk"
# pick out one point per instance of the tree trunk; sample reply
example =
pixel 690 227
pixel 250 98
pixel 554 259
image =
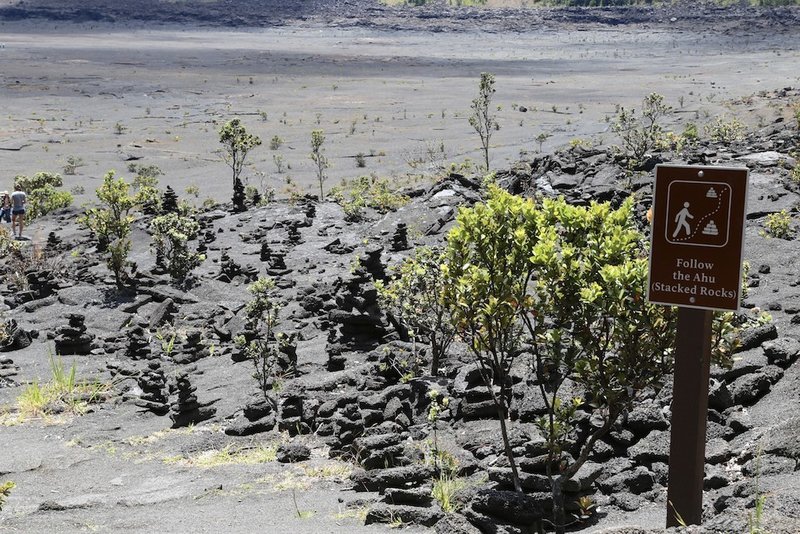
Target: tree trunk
pixel 435 350
pixel 558 506
pixel 509 454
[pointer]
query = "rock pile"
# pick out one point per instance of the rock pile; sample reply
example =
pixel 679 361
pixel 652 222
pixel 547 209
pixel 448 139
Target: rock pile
pixel 14 337
pixel 7 370
pixel 358 316
pixel 400 237
pixel 186 410
pixel 138 346
pixel 258 416
pixel 72 338
pixel 192 349
pixel 153 384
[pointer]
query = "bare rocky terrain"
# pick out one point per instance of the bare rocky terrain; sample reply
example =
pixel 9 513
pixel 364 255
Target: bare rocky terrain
pixel 181 439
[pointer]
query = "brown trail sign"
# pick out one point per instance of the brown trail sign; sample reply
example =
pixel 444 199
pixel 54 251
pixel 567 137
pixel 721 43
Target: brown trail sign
pixel 697 238
pixel 695 263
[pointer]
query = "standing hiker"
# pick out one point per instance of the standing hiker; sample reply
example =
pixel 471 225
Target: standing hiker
pixel 5 207
pixel 18 199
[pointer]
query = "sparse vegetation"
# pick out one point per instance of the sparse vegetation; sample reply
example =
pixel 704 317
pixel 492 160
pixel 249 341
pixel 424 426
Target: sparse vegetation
pixel 319 159
pixel 171 234
pixel 236 145
pixel 63 393
pixel 275 143
pixel 262 348
pixel 725 131
pixel 366 192
pixel 640 133
pixel 415 298
pixel 228 455
pixel 111 224
pixel 778 225
pixel 483 120
pixel 71 165
pixel 444 491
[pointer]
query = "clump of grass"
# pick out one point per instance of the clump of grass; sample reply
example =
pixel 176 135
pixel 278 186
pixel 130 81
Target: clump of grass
pixel 359 514
pixel 228 455
pixel 333 471
pixel 64 393
pixel 445 489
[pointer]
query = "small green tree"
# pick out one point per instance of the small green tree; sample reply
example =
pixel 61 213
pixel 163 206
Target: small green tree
pixel 482 119
pixel 590 323
pixel 171 235
pixel 319 159
pixel 145 184
pixel 568 282
pixel 111 223
pixel 486 272
pixel 263 350
pixel 415 297
pixel 643 132
pixel 237 143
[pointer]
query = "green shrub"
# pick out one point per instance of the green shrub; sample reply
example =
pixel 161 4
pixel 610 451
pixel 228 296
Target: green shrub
pixel 778 225
pixel 45 199
pixel 367 192
pixel 72 164
pixel 237 142
pixel 320 161
pixel 414 296
pixel 111 223
pixel 569 284
pixel 38 181
pixel 725 131
pixel 263 348
pixel 171 234
pixel 275 143
pixel 641 133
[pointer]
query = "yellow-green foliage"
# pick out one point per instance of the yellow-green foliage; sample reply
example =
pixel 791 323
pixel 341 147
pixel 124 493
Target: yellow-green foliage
pixel 414 296
pixel 7 243
pixel 778 225
pixel 111 223
pixel 171 235
pixel 725 131
pixel 796 175
pixel 367 192
pixel 569 283
pixel 38 181
pixel 5 492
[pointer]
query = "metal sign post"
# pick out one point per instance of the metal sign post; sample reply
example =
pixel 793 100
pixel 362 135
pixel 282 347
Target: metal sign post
pixel 695 263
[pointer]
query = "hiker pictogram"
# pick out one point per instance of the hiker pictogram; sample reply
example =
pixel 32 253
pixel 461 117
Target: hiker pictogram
pixel 698 213
pixel 680 218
